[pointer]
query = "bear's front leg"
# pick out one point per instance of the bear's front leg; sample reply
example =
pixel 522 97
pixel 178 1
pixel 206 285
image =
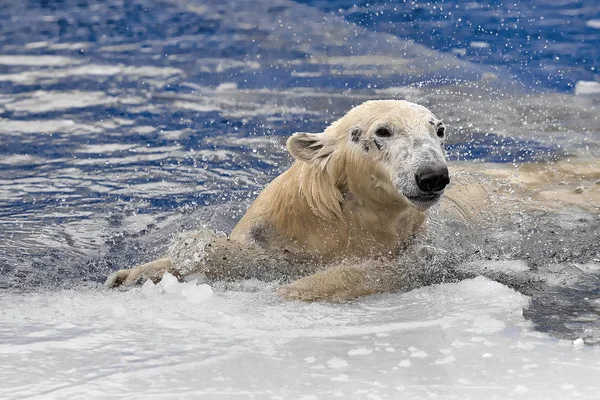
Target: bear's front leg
pixel 153 270
pixel 342 283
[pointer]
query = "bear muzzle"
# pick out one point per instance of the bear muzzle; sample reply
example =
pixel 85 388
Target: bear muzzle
pixel 432 179
pixel 431 182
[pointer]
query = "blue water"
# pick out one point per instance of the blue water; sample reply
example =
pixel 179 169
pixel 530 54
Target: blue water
pixel 546 44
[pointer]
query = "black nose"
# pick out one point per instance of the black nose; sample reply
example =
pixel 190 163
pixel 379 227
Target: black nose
pixel 432 179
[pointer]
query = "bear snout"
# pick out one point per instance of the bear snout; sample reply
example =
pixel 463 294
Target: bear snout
pixel 432 179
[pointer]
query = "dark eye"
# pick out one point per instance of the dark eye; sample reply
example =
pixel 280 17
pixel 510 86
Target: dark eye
pixel 383 132
pixel 440 131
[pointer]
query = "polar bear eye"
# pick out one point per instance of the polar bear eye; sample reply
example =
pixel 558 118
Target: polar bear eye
pixel 440 131
pixel 383 132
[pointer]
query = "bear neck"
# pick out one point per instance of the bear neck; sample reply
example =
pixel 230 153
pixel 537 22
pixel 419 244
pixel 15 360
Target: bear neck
pixel 312 210
pixel 320 189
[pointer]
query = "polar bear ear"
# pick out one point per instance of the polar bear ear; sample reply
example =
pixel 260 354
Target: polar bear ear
pixel 310 147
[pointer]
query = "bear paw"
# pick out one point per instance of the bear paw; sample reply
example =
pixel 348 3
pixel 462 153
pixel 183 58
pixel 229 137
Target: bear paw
pixel 337 284
pixel 153 270
pixel 123 277
pixel 297 292
pixel 312 288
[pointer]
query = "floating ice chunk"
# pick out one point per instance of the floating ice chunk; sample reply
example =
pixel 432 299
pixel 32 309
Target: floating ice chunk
pixel 446 360
pixel 520 389
pixel 489 76
pixel 480 45
pixel 578 343
pixel 592 267
pixel 587 88
pixel 170 284
pixel 196 293
pixel 337 362
pixel 190 291
pixel 149 288
pixel 400 90
pixel 37 61
pixel 593 23
pixel 54 101
pixel 226 87
pixel 568 274
pixel 341 378
pixel 361 351
pixel 416 353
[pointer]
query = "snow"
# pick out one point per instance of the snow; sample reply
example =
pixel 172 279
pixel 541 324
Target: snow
pixel 466 340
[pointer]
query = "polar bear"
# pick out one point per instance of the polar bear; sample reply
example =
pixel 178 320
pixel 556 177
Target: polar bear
pixel 351 203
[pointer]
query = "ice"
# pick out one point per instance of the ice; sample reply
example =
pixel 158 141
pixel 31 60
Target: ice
pixel 336 362
pixel 466 340
pixel 480 45
pixel 414 352
pixel 593 23
pixel 37 60
pixel 405 363
pixel 226 87
pixel 587 88
pixel 42 101
pixel 361 351
pixel 169 285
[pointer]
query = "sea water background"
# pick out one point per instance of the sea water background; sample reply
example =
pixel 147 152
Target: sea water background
pixel 124 122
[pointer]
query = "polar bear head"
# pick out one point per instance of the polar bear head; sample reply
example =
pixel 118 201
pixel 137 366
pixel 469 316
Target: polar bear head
pixel 382 151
